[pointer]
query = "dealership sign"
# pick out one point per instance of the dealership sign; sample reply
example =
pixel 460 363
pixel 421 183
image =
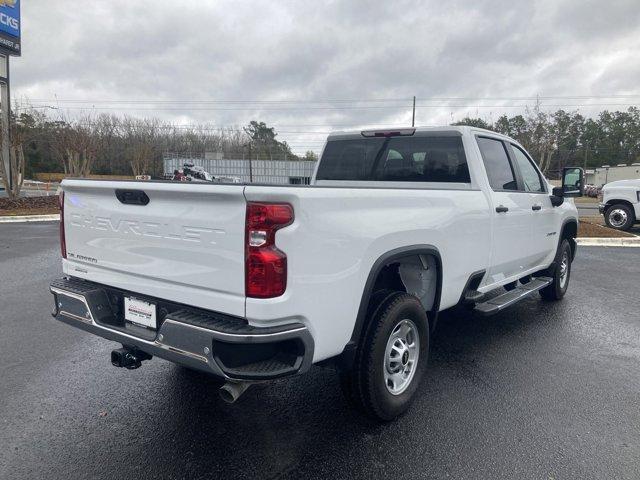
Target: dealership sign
pixel 10 26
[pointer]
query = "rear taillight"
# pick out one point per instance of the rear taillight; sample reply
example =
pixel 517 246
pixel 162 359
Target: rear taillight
pixel 63 242
pixel 265 265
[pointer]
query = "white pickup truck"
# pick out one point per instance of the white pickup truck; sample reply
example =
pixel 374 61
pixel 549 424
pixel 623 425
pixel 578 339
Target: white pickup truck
pixel 257 282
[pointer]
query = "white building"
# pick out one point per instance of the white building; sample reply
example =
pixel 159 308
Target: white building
pixel 606 174
pixel 288 172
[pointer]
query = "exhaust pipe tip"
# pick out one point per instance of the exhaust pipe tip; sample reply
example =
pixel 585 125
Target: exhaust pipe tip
pixel 230 392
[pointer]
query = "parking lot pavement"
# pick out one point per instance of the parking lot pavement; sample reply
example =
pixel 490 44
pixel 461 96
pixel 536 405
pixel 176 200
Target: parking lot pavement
pixel 544 390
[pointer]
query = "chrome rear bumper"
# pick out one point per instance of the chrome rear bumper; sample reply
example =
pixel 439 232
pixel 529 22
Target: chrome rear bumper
pixel 219 344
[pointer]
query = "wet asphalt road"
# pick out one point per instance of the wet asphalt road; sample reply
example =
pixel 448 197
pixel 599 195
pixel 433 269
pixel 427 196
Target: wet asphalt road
pixel 541 391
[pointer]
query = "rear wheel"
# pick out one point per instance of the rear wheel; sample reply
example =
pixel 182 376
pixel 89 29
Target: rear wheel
pixel 619 216
pixel 558 287
pixel 391 359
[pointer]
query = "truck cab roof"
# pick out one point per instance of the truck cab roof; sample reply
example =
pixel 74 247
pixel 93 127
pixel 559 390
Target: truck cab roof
pixel 413 131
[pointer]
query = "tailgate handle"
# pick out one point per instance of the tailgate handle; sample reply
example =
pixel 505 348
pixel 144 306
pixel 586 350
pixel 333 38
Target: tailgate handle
pixel 132 197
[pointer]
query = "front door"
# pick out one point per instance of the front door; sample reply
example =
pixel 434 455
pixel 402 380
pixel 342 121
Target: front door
pixel 544 234
pixel 511 249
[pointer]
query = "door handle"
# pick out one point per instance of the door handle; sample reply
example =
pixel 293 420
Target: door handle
pixel 536 207
pixel 501 209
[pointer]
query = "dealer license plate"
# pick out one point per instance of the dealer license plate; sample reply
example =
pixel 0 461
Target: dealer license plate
pixel 140 312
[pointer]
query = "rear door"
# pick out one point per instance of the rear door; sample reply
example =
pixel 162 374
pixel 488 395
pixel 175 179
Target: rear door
pixel 186 244
pixel 511 251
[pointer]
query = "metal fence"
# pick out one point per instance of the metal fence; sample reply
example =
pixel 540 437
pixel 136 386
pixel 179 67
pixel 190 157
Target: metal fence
pixel 291 172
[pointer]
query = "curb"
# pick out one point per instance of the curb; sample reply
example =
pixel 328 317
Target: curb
pixel 609 242
pixel 30 218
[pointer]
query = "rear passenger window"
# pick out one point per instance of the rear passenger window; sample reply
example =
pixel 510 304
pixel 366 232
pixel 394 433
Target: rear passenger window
pixel 349 159
pixel 530 176
pixel 395 159
pixel 496 162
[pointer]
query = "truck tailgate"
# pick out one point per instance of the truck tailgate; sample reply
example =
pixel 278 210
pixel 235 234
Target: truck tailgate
pixel 186 244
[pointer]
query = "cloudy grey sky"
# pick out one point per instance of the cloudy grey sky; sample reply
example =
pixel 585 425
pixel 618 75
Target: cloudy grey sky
pixel 360 62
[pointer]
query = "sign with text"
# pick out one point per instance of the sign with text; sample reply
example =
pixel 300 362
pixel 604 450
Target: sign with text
pixel 10 26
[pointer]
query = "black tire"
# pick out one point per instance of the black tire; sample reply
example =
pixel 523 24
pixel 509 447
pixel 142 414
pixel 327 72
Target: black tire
pixel 556 289
pixel 619 217
pixel 365 385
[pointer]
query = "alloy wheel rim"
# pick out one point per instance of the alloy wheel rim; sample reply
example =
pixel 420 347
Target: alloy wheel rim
pixel 401 357
pixel 618 217
pixel 564 270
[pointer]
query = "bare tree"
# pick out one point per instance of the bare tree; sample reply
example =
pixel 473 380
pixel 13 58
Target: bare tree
pixel 17 164
pixel 540 138
pixel 142 137
pixel 76 144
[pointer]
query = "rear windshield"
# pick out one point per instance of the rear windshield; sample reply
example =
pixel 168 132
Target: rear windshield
pixel 395 159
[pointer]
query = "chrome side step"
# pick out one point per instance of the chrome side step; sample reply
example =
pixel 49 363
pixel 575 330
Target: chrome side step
pixel 499 303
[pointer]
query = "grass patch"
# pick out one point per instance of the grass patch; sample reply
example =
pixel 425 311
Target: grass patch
pixel 594 227
pixel 29 206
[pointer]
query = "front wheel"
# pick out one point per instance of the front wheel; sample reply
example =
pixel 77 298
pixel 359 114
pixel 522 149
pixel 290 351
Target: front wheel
pixel 620 217
pixel 391 359
pixel 558 287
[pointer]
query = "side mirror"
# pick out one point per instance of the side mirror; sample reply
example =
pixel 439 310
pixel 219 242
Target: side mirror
pixel 572 182
pixel 557 196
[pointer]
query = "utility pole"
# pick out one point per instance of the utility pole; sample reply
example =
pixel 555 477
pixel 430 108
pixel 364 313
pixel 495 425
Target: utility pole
pixel 413 117
pixel 586 154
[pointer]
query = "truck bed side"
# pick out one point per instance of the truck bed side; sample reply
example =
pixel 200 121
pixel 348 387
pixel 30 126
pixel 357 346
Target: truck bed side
pixel 339 233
